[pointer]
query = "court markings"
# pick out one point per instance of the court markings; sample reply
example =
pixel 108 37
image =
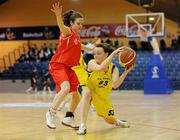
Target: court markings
pixel 160 127
pixel 47 104
pixel 26 105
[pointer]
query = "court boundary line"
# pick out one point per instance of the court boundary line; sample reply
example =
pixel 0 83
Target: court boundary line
pixel 155 126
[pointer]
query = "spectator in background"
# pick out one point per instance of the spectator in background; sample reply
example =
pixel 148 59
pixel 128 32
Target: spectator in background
pixel 144 46
pixel 116 43
pixel 108 41
pixel 41 55
pixel 22 58
pixel 36 55
pixel 27 59
pixel 133 45
pixel 47 83
pixel 174 44
pixel 53 50
pixel 34 82
pixel 162 45
pixel 178 42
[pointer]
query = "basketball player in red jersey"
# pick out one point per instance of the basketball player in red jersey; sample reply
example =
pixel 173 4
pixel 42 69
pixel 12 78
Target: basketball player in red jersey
pixel 67 55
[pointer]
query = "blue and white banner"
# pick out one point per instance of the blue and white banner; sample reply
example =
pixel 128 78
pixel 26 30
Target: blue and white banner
pixel 155 80
pixel 29 33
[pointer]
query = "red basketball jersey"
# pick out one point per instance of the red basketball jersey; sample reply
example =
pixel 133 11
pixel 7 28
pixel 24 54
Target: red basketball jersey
pixel 68 51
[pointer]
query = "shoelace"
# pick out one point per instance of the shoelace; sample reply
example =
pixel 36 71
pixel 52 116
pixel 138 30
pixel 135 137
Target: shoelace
pixel 52 112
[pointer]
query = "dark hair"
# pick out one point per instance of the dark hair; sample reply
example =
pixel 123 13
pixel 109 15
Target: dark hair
pixel 70 16
pixel 106 47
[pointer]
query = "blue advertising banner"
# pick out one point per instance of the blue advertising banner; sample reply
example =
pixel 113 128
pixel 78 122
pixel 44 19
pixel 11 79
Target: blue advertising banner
pixel 155 80
pixel 29 33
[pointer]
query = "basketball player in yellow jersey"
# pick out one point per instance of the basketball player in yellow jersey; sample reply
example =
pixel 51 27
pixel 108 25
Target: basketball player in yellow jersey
pixel 102 78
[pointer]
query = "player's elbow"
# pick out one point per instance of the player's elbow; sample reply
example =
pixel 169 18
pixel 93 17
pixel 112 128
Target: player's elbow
pixel 115 86
pixel 102 68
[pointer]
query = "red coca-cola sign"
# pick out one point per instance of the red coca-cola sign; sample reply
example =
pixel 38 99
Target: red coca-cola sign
pixel 105 30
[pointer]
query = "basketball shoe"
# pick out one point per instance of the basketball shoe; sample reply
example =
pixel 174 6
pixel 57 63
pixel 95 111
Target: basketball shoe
pixel 123 123
pixel 50 115
pixel 70 122
pixel 82 130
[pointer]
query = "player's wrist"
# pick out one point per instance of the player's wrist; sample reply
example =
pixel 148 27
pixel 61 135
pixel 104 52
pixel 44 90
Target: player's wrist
pixel 58 15
pixel 125 72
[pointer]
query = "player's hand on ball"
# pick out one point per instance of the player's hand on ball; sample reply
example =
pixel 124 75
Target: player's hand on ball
pixel 129 69
pixel 117 51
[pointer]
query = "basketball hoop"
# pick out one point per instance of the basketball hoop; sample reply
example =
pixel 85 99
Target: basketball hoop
pixel 143 36
pixel 153 28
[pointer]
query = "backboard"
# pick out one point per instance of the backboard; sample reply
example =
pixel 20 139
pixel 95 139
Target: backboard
pixel 151 23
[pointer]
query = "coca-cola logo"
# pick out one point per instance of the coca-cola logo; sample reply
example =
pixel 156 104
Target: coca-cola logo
pixel 108 31
pixel 105 31
pixel 133 30
pixel 92 31
pixel 120 30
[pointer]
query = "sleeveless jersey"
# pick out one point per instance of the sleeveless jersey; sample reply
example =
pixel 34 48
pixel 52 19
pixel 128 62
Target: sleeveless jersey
pixel 68 51
pixel 100 83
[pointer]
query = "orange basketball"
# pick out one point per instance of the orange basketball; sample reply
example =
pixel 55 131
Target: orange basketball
pixel 127 57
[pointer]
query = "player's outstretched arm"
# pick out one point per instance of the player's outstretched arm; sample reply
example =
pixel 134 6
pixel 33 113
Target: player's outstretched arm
pixel 155 46
pixel 57 10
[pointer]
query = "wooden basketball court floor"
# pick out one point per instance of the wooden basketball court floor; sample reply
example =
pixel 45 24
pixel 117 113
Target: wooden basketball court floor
pixel 152 117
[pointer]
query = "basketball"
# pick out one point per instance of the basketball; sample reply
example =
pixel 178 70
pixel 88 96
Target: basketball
pixel 127 57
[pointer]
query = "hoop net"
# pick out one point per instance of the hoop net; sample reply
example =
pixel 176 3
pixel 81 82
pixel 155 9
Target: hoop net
pixel 143 36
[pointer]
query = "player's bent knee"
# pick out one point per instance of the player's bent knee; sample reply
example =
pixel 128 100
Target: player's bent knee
pixel 65 86
pixel 87 95
pixel 65 90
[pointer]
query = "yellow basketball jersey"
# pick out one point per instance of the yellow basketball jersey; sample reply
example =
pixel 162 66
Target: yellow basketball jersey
pixel 80 71
pixel 100 82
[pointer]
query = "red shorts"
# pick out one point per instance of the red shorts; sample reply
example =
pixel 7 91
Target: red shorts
pixel 61 73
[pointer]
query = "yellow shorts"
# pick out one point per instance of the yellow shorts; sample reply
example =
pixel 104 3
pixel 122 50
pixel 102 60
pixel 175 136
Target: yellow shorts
pixel 103 108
